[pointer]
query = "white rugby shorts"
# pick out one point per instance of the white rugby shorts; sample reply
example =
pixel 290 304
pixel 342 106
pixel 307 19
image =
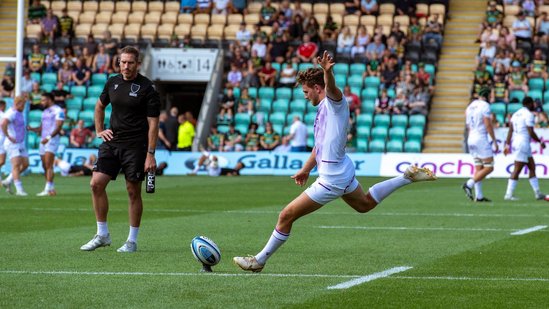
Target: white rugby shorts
pixel 15 149
pixel 522 151
pixel 323 192
pixel 480 147
pixel 51 146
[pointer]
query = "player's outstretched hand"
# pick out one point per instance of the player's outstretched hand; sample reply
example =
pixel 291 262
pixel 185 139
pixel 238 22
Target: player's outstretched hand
pixel 326 62
pixel 300 178
pixel 106 135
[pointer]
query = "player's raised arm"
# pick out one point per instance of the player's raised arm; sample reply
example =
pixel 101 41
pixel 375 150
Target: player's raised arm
pixel 327 62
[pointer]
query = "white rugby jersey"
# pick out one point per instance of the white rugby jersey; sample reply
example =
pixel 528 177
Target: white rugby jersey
pixel 49 118
pixel 474 117
pixel 16 127
pixel 521 120
pixel 1 120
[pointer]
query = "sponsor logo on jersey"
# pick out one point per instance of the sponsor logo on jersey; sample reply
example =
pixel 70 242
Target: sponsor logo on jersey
pixel 134 89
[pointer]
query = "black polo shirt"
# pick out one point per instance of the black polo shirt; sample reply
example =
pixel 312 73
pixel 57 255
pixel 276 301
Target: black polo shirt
pixel 132 102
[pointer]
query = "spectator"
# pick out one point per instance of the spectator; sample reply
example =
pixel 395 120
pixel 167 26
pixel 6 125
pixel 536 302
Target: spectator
pixel 222 7
pixel 49 26
pixel 538 67
pixel 186 132
pixel 298 10
pixel 69 56
pixel 60 95
pixel 433 31
pixel 288 75
pixel 352 7
pixel 87 57
pixel 81 74
pixel 296 29
pixel 489 34
pixel 405 7
pixel 8 85
pixel 280 49
pixel 227 104
pixel 361 41
pixel 215 140
pixel 418 102
pixel 249 78
pixel 487 53
pixel 26 82
pixel 245 102
pixel 37 11
pixel 353 100
pixel 36 59
pixel 415 30
pixel 351 134
pixel 91 44
pixel 243 37
pixel 252 138
pixel 499 92
pixel 232 140
pixel 329 31
pixel 66 25
pixel 234 77
pixel 373 67
pixel 110 43
pixel 508 38
pixel 517 79
pixel 267 75
pixel 389 76
pixel 52 61
pixel 307 50
pixel 203 6
pixel 375 49
pixel 172 126
pixel 400 103
pixel 164 143
pixel 267 14
pixel 345 41
pixel 240 6
pixel 425 78
pixel 101 61
pixel 396 33
pixel 369 7
pixel 80 136
pixel 64 74
pixel 384 103
pixel 313 30
pixel 529 7
pixel 187 6
pixel 35 97
pixel 522 28
pixel 259 47
pixel 542 29
pixel 298 135
pixel 285 10
pixel 238 59
pixel 269 140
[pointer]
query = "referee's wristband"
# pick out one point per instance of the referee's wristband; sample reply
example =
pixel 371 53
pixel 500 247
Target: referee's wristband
pixel 150 151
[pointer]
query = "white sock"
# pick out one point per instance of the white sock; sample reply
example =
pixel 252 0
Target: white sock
pixel 381 190
pixel 470 183
pixel 9 178
pixel 49 186
pixel 534 183
pixel 275 241
pixel 132 236
pixel 511 185
pixel 102 228
pixel 478 190
pixel 18 185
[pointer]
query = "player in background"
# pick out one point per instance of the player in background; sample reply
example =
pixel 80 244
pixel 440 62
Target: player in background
pixel 479 122
pixel 53 117
pixel 129 145
pixel 14 129
pixel 211 164
pixel 335 169
pixel 521 130
pixel 2 138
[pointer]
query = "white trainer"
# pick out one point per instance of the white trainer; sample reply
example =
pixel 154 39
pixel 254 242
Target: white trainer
pixel 47 193
pixel 7 186
pixel 510 198
pixel 128 247
pixel 21 193
pixel 415 173
pixel 248 263
pixel 540 196
pixel 97 242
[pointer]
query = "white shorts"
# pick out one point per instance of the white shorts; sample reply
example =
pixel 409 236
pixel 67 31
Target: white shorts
pixel 522 151
pixel 50 146
pixel 15 149
pixel 480 148
pixel 323 192
pixel 2 148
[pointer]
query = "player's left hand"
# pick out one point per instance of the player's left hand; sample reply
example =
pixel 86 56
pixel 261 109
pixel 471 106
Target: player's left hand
pixel 326 62
pixel 300 178
pixel 150 163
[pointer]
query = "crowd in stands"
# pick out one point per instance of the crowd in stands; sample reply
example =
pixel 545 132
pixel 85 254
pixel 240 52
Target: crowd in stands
pixel 513 57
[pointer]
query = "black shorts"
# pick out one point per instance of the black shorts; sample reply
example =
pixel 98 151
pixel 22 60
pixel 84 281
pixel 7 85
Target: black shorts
pixel 227 171
pixel 112 158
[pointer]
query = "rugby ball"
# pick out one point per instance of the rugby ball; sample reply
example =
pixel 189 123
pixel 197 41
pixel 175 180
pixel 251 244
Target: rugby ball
pixel 205 250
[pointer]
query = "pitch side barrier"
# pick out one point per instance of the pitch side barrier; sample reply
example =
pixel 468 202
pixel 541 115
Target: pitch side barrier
pixel 286 164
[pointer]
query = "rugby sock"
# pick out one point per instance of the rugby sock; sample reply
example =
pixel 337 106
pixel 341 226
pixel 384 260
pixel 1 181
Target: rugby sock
pixel 276 240
pixel 18 185
pixel 9 178
pixel 470 183
pixel 132 237
pixel 381 190
pixel 511 185
pixel 49 186
pixel 534 183
pixel 102 229
pixel 478 190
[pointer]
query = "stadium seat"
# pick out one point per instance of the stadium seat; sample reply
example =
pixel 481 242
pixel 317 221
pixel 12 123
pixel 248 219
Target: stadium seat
pixel 381 120
pixel 364 120
pixel 95 90
pixel 355 81
pixel 340 80
pixel 536 84
pixel 74 103
pixel 35 116
pixel 299 106
pixel 368 106
pixel 513 107
pixel 394 146
pixel 412 146
pixel 516 94
pixel 379 133
pixel 78 91
pixel 280 105
pixel 397 134
pixel 363 132
pixel 414 134
pixel 99 79
pixel 242 119
pixel 266 93
pixel 47 87
pixel 290 117
pixel 89 103
pixel 372 82
pixel 284 93
pixel 534 94
pixel 498 108
pixel 297 93
pixel 341 68
pixel 362 145
pixel 252 92
pixel 357 69
pixel 304 66
pixel 418 121
pixel 221 128
pixel 33 140
pixel 399 121
pixel 310 119
pixel 265 106
pixel 87 116
pixel 36 77
pixel 377 146
pixel 278 118
pixel 369 94
pixel 49 78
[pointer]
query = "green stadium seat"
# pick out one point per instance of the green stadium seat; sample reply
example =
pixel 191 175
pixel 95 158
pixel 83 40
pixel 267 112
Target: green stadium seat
pixel 379 133
pixel 278 118
pixel 35 115
pixel 36 77
pixel 414 134
pixel 79 91
pixel 310 119
pixel 64 140
pixel 284 93
pixel 265 106
pixel 397 134
pixel 47 87
pixel 242 119
pixel 290 117
pixel 399 121
pixel 356 90
pixel 517 94
pixel 304 66
pixel 418 121
pixel 310 131
pixel 381 120
pixel 546 108
pixel 243 129
pixel 49 78
pixel 355 81
pixel 341 80
pixel 513 107
pixel 89 103
pixel 390 93
pixel 430 68
pixel 536 94
pixel 310 141
pixel 96 142
pixel 286 130
pixel 222 128
pixel 95 91
pixel 546 96
pixel 363 133
pixel 99 79
pixel 361 145
pixel 87 116
pixel 364 120
pixel 500 118
pixel 357 68
pixel 278 128
pixel 377 146
pixel 74 103
pixel 394 146
pixel 311 108
pixel 281 105
pixel 298 93
pixel 252 91
pixel 266 93
pixel 372 82
pixel 536 84
pixel 412 146
pixel 277 66
pixel 368 106
pixel 33 140
pixel 369 94
pixel 498 108
pixel 298 106
pixel 72 114
pixel 341 68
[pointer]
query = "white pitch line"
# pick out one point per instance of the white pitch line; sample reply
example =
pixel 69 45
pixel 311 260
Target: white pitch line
pixel 469 278
pixel 171 274
pixel 405 228
pixel 357 281
pixel 529 230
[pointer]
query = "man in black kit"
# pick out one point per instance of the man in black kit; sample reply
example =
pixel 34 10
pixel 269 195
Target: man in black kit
pixel 129 145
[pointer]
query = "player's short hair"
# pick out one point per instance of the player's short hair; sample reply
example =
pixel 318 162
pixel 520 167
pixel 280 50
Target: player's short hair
pixel 527 100
pixel 48 95
pixel 311 77
pixel 132 51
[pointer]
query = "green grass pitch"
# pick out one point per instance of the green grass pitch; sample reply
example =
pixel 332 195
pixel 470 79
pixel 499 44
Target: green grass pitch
pixel 462 254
